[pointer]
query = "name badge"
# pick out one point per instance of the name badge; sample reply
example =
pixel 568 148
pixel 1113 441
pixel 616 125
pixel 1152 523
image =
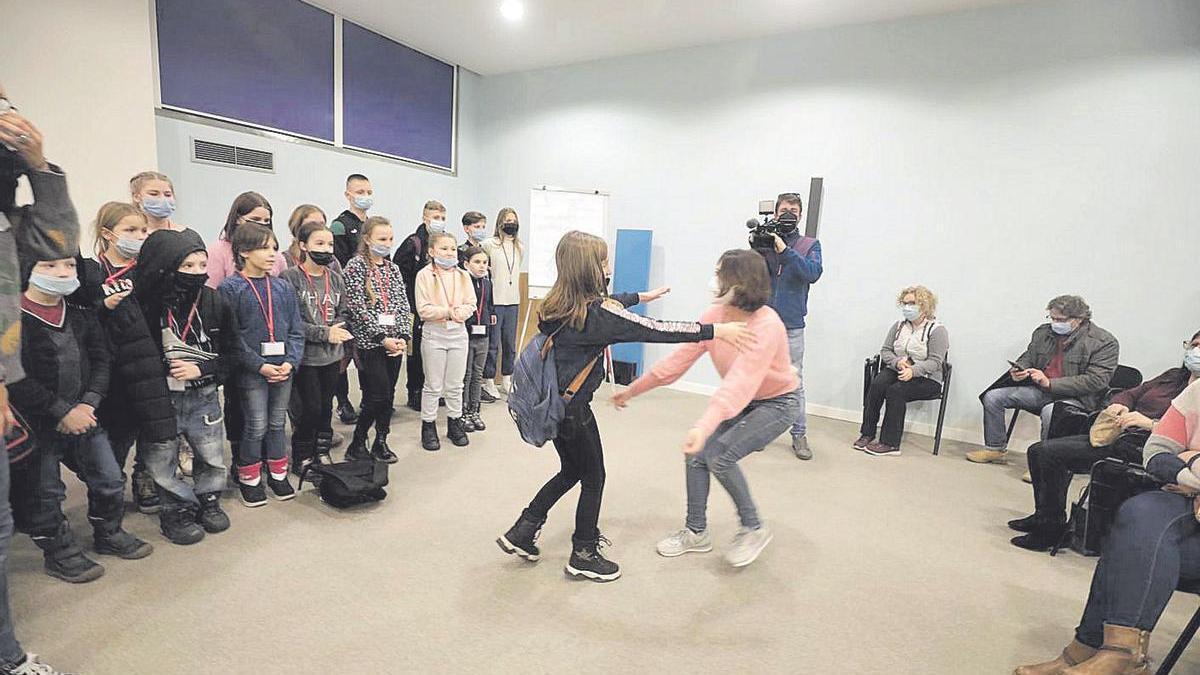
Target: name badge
pixel 387 319
pixel 175 385
pixel 478 330
pixel 273 349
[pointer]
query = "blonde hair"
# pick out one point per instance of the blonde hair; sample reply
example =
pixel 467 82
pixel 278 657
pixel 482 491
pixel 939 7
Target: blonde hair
pixel 926 300
pixel 139 181
pixel 435 237
pixel 107 218
pixel 371 224
pixel 580 261
pixel 433 205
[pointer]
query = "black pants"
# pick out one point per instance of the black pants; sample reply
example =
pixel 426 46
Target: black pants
pixel 343 388
pixel 122 436
pixel 315 387
pixel 886 387
pixel 377 375
pixel 416 368
pixel 582 458
pixel 1053 462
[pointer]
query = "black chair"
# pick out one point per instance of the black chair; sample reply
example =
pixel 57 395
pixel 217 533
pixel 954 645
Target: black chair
pixel 1186 636
pixel 871 368
pixel 1124 377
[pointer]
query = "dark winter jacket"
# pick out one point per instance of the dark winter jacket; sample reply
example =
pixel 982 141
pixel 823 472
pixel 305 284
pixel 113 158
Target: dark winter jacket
pixel 485 308
pixel 347 229
pixel 412 255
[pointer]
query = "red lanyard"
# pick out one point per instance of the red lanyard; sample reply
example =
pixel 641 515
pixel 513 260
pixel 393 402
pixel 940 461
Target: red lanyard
pixel 114 275
pixel 482 297
pixel 380 280
pixel 316 300
pixel 187 327
pixel 268 309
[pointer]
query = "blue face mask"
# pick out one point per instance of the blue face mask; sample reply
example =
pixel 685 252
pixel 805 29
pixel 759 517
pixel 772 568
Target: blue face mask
pixel 1061 327
pixel 477 235
pixel 436 226
pixel 445 263
pixel 381 251
pixel 54 285
pixel 364 202
pixel 159 207
pixel 129 247
pixel 910 312
pixel 1191 360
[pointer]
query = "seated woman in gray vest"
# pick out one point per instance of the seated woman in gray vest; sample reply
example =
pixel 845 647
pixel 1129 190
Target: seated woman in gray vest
pixel 910 370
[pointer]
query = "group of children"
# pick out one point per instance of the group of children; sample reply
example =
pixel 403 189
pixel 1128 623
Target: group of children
pixel 133 347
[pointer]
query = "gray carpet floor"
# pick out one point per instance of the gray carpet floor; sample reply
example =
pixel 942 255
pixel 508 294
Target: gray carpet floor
pixel 878 565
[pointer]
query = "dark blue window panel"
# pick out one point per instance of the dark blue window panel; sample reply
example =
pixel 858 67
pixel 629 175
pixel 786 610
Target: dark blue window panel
pixel 396 100
pixel 265 62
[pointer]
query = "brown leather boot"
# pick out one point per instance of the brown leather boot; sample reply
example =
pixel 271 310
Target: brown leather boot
pixel 1123 653
pixel 1074 654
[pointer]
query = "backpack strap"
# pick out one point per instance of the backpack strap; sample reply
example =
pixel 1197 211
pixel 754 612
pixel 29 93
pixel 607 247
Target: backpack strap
pixel 582 377
pixel 803 245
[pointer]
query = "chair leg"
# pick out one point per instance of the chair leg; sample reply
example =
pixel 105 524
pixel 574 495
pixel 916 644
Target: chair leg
pixel 1181 644
pixel 1012 425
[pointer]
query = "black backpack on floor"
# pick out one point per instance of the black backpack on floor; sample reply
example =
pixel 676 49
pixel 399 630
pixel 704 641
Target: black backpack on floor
pixel 1112 481
pixel 346 484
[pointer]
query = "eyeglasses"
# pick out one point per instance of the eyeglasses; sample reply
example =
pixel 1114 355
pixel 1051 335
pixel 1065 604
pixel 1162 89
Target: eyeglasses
pixel 1058 318
pixel 6 106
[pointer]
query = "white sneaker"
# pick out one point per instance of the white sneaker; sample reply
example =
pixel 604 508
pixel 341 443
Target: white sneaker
pixel 490 387
pixel 685 541
pixel 506 384
pixel 32 666
pixel 747 544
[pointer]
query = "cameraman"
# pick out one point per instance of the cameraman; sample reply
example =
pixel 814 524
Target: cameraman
pixel 49 229
pixel 795 263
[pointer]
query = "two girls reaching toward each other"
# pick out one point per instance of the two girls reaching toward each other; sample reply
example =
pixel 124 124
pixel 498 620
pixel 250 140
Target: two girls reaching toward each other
pixel 756 403
pixel 445 302
pixel 584 320
pixel 377 307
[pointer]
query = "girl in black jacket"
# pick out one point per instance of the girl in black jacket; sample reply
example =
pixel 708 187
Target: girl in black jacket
pixel 584 322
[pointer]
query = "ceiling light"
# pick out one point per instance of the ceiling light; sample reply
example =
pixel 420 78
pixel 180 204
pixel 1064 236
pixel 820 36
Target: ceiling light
pixel 512 10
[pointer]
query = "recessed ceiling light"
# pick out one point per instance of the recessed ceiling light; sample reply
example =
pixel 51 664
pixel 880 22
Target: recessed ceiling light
pixel 512 10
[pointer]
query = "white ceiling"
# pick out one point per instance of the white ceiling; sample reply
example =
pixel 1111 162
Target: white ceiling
pixel 471 33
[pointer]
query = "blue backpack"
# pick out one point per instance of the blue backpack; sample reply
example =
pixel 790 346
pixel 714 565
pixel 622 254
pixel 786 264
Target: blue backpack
pixel 533 400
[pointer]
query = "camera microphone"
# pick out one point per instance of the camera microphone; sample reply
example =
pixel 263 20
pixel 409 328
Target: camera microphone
pixel 752 223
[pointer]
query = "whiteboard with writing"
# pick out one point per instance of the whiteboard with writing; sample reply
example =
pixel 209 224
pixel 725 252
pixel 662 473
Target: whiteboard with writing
pixel 553 213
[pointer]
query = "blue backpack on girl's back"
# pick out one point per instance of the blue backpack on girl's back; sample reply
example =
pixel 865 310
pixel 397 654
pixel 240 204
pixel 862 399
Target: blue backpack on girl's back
pixel 534 401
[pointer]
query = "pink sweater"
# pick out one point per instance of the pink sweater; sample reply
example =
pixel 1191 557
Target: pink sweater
pixel 444 296
pixel 761 373
pixel 220 263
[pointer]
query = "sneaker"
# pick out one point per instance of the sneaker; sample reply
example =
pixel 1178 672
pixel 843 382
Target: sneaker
pixel 30 665
pixel 429 436
pixel 685 541
pixel 862 442
pixel 988 456
pixel 414 401
pixel 587 562
pixel 185 458
pixel 73 566
pixel 456 432
pixel 281 489
pixel 489 391
pixel 521 539
pixel 382 452
pixel 800 447
pixel 123 545
pixel 486 397
pixel 253 495
pixel 357 450
pixel 145 493
pixel 747 545
pixel 179 526
pixel 478 422
pixel 346 413
pixel 468 423
pixel 210 516
pixel 881 449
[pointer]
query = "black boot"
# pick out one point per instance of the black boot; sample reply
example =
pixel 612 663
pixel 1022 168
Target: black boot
pixel 346 412
pixel 588 563
pixel 302 454
pixel 323 447
pixel 1026 524
pixel 381 451
pixel 358 445
pixel 521 538
pixel 429 436
pixel 456 433
pixel 177 522
pixel 1042 538
pixel 145 493
pixel 414 401
pixel 210 516
pixel 64 558
pixel 109 538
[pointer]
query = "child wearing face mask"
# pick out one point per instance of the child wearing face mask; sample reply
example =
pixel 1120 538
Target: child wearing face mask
pixel 445 301
pixel 138 406
pixel 154 195
pixel 412 257
pixel 479 324
pixel 347 227
pixel 507 255
pixel 249 208
pixel 67 363
pixel 321 291
pixel 475 229
pixel 196 343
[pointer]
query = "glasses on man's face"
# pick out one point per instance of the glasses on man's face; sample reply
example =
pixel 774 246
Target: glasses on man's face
pixel 1057 319
pixel 6 106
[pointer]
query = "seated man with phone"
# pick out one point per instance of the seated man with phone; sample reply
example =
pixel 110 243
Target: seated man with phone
pixel 1068 359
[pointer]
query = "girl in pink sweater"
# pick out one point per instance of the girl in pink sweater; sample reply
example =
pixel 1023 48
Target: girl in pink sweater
pixel 755 404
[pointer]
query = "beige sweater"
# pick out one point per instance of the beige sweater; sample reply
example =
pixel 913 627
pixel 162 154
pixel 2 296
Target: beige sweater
pixel 444 296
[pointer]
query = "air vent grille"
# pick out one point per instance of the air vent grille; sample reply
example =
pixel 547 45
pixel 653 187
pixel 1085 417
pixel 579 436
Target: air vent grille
pixel 209 152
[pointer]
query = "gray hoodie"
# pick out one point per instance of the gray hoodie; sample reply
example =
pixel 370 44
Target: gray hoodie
pixel 313 298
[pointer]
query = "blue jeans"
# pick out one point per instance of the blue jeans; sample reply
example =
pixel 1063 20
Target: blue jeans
pixel 264 406
pixel 198 414
pixel 90 456
pixel 1154 543
pixel 796 350
pixel 759 424
pixel 1029 398
pixel 10 649
pixel 502 341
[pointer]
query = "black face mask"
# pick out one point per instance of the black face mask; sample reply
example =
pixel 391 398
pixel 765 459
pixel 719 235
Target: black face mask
pixel 186 283
pixel 321 258
pixel 510 228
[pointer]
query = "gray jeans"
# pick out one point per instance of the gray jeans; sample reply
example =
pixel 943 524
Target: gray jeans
pixel 796 351
pixel 444 356
pixel 1029 398
pixel 477 353
pixel 753 428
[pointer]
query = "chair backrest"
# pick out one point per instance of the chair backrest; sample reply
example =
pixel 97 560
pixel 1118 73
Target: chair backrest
pixel 1125 377
pixel 947 372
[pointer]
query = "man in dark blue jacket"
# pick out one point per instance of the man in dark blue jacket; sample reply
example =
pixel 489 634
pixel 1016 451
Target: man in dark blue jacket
pixel 794 264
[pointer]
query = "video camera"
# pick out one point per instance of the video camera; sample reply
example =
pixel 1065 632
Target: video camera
pixel 762 233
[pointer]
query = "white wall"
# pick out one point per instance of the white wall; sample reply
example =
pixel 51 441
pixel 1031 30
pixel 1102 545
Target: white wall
pixel 80 71
pixel 1000 156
